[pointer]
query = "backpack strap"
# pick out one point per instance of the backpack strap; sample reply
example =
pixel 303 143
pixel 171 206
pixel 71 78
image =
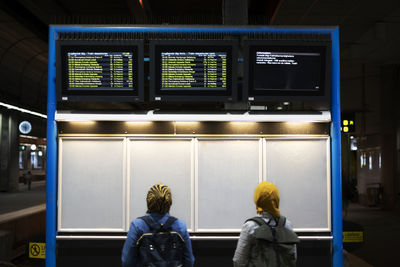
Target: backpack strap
pixel 281 221
pixel 168 223
pixel 258 220
pixel 154 227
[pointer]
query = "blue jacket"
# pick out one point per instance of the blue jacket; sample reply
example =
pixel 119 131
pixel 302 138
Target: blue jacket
pixel 138 227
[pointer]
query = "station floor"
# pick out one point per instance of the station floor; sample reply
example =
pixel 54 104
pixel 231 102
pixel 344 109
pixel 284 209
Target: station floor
pixel 381 236
pixel 381 228
pixel 24 198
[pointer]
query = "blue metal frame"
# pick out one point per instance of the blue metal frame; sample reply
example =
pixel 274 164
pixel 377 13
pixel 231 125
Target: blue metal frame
pixel 51 171
pixel 51 201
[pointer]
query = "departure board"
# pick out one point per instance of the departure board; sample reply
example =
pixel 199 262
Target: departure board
pixel 193 70
pixel 297 71
pixel 100 70
pixel 286 70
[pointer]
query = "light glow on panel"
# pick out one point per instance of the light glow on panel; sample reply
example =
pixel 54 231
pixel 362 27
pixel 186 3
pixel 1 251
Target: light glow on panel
pixel 188 123
pixel 139 123
pixel 363 159
pixel 242 123
pixel 370 161
pixel 380 160
pixel 82 122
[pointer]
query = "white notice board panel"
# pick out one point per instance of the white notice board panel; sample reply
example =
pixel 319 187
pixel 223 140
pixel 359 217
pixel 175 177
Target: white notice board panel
pixel 300 170
pixel 91 184
pixel 168 161
pixel 228 173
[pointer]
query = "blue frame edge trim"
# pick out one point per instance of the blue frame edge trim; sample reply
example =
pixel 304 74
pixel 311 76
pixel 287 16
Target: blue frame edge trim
pixel 337 220
pixel 51 171
pixel 51 187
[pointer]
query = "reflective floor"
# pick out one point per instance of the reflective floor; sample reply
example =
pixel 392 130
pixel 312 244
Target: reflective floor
pixel 24 198
pixel 381 236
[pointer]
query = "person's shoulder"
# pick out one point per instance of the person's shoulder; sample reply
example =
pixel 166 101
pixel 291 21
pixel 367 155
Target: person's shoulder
pixel 179 221
pixel 288 224
pixel 138 223
pixel 249 225
pixel 179 224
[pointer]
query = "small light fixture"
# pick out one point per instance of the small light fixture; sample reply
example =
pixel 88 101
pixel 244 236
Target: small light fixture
pixel 33 147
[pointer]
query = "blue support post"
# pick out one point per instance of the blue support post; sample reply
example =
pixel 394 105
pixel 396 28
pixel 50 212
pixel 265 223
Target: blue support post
pixel 51 172
pixel 337 223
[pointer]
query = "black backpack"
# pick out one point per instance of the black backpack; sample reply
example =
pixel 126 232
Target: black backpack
pixel 274 245
pixel 161 247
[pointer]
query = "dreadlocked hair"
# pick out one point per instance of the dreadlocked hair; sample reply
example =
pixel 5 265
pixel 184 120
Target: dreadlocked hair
pixel 159 199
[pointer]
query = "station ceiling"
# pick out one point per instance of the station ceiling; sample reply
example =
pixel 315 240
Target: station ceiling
pixel 369 31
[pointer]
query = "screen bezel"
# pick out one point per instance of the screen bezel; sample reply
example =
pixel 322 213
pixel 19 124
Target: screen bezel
pixel 273 95
pixel 228 95
pixel 65 46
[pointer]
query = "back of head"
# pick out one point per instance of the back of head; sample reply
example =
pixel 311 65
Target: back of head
pixel 266 198
pixel 159 199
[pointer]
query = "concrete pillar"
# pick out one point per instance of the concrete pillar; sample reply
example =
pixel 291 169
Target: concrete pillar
pixel 235 12
pixel 390 86
pixel 9 148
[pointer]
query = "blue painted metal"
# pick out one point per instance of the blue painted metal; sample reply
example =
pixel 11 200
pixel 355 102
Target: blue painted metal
pixel 226 30
pixel 51 172
pixel 51 201
pixel 337 223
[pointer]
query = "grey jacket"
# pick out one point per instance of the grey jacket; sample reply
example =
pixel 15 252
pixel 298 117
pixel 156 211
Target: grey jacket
pixel 246 240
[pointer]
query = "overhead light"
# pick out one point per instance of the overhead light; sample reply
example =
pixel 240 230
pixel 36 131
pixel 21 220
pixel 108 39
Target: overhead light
pixel 325 116
pixel 33 147
pixel 84 123
pixel 137 123
pixel 23 110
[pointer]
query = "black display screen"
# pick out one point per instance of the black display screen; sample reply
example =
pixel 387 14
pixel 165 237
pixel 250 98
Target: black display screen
pixel 192 71
pixel 281 70
pixel 100 71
